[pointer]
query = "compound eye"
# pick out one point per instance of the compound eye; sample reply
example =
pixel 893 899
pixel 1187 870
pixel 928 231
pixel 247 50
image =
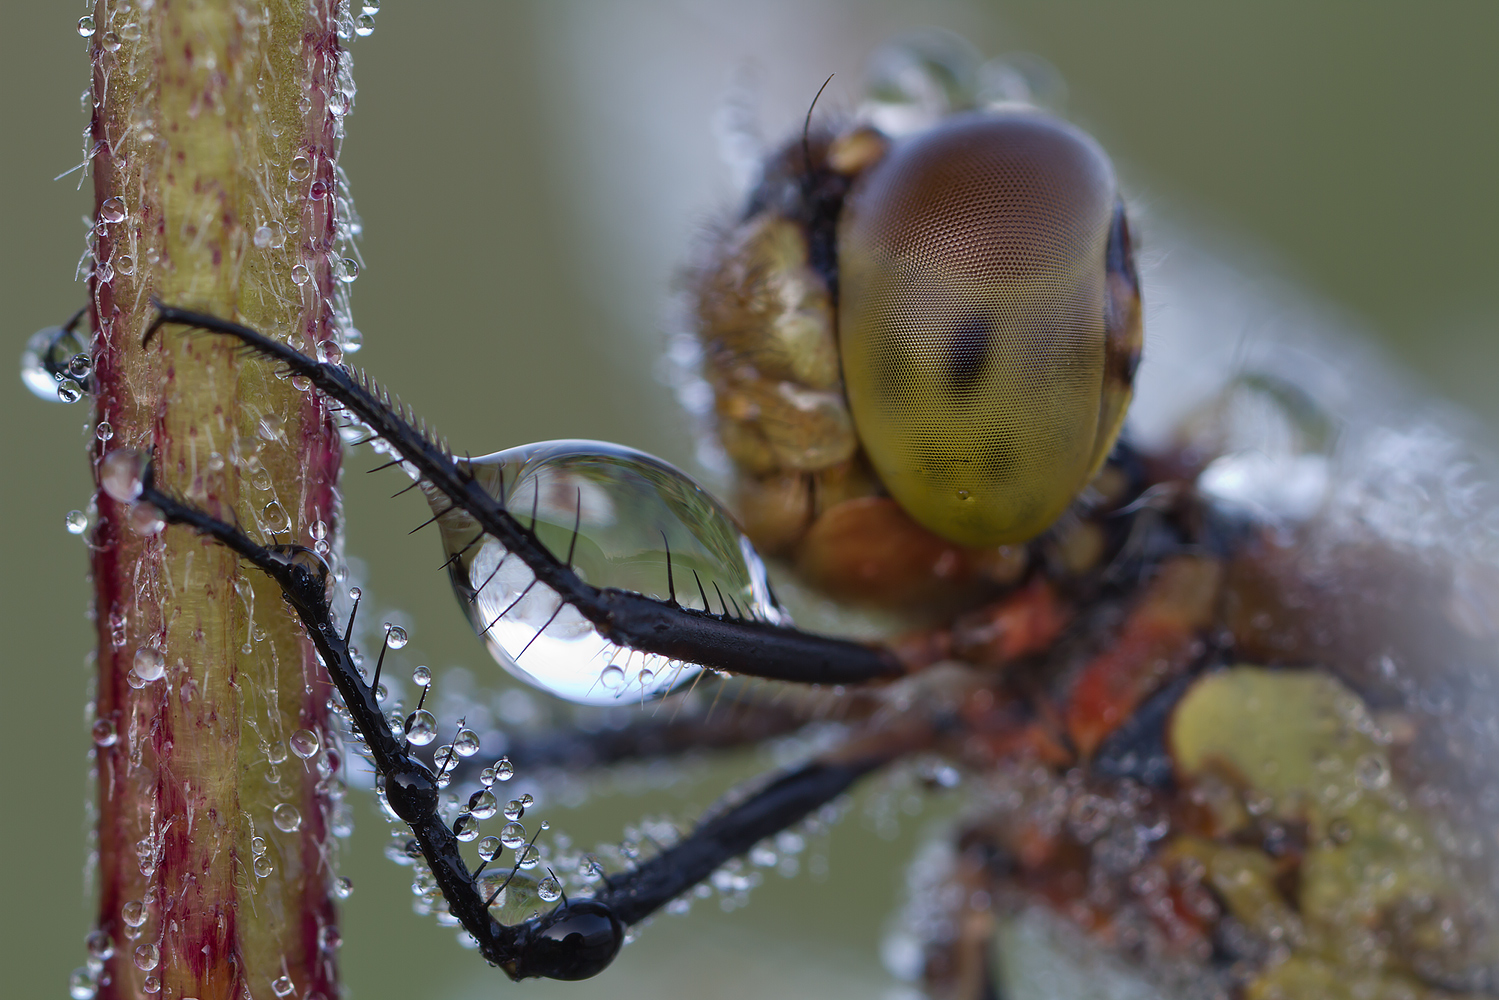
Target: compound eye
pixel 575 941
pixel 973 264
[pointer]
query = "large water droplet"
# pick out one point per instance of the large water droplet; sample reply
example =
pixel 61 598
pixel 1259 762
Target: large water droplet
pixel 85 26
pixel 76 521
pixel 630 509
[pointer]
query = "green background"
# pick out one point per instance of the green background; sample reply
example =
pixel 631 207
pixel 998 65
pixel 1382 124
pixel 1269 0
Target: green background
pixel 532 175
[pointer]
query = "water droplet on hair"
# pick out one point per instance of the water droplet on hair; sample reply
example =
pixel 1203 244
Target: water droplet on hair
pixel 466 743
pixel 262 866
pixel 76 522
pixel 483 804
pixel 512 835
pixel 629 501
pixel 282 986
pixel 364 26
pixel 104 430
pixel 103 733
pixel 342 887
pixel 301 169
pixel 549 889
pixel 395 637
pixel 300 274
pixel 421 677
pixel 421 727
pixel 466 828
pixel 147 957
pixel 304 743
pixel 503 769
pixel 345 269
pixel 133 913
pixel 86 29
pixel 287 817
pixel 69 391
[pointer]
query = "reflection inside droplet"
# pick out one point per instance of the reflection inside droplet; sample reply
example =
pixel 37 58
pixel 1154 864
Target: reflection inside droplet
pixel 634 515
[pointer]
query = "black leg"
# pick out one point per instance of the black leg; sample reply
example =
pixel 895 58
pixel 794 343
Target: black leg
pixel 632 620
pixel 580 937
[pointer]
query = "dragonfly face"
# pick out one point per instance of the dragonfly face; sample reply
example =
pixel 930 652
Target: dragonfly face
pixel 931 341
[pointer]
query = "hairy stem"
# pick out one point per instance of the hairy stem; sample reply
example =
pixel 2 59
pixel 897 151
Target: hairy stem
pixel 214 133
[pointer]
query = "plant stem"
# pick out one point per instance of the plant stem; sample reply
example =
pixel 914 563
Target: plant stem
pixel 214 129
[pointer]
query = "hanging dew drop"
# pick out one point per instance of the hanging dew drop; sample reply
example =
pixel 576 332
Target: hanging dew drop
pixel 634 514
pixel 86 29
pixel 76 522
pixel 365 25
pixel 69 391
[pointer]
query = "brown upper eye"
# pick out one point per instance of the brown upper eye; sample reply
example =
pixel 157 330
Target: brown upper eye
pixel 972 328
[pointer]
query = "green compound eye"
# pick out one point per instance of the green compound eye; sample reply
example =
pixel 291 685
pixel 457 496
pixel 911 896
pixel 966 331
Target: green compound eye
pixel 989 321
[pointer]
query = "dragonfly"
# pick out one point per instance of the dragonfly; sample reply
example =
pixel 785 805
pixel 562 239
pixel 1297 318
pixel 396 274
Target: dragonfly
pixel 1219 702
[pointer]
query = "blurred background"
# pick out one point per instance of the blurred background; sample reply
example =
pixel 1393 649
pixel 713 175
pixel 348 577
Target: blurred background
pixel 531 178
